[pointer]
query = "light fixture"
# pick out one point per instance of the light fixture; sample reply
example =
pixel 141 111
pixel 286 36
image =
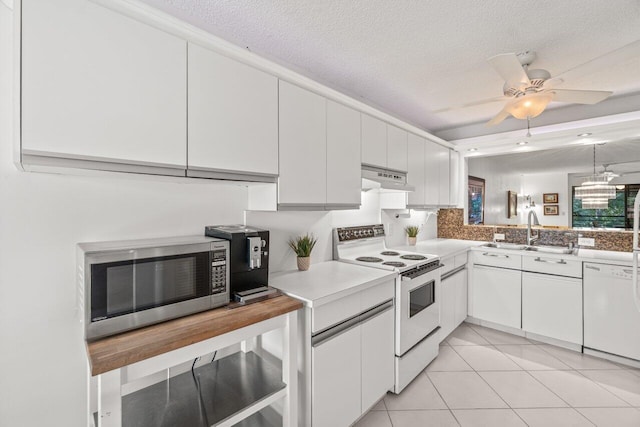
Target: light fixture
pixel 529 105
pixel 584 135
pixel 523 143
pixel 472 149
pixel 595 192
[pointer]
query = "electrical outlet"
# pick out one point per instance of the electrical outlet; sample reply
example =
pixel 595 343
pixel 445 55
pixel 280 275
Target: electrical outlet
pixel 498 236
pixel 586 241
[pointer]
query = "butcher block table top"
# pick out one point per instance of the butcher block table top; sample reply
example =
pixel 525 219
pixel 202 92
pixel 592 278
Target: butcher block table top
pixel 130 347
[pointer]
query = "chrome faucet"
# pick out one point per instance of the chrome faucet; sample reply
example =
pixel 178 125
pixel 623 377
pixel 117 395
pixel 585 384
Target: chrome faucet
pixel 530 238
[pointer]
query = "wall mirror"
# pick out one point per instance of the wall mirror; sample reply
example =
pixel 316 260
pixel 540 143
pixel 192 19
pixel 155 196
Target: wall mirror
pixel 546 181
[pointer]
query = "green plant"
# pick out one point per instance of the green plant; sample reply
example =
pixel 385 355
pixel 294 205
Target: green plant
pixel 303 245
pixel 412 230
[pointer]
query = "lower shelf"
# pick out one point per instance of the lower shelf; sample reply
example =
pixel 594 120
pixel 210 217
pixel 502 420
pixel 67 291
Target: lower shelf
pixel 209 396
pixel 268 417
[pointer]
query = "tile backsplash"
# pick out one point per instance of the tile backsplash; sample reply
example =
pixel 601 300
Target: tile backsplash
pixel 451 226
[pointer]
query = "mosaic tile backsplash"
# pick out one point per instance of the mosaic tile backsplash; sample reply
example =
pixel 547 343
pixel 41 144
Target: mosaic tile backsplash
pixel 451 226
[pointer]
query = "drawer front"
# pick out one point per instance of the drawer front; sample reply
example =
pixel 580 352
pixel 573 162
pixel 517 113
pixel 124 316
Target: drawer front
pixel 460 260
pixel 552 265
pixel 497 259
pixel 342 309
pixel 335 312
pixel 377 295
pixel 448 264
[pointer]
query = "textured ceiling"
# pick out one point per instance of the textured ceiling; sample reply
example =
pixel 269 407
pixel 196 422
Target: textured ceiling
pixel 411 57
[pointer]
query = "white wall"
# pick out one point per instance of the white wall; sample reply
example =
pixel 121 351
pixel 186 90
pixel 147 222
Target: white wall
pixel 42 357
pixel 538 184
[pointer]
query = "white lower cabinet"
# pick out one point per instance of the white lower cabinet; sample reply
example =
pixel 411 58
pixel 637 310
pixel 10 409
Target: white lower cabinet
pixel 497 295
pixel 336 380
pixel 552 306
pixel 377 360
pixel 460 295
pixel 353 369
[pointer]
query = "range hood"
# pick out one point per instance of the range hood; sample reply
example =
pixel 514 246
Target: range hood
pixel 384 180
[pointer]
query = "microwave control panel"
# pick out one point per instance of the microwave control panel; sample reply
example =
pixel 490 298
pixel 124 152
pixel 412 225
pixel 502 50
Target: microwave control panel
pixel 218 271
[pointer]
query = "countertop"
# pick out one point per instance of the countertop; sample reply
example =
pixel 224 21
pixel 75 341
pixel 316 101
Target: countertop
pixel 441 247
pixel 328 281
pixel 130 347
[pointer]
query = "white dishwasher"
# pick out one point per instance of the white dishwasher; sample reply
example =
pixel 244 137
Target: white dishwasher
pixel 611 318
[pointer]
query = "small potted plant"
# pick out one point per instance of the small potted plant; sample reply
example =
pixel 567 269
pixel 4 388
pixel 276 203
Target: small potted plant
pixel 412 233
pixel 302 246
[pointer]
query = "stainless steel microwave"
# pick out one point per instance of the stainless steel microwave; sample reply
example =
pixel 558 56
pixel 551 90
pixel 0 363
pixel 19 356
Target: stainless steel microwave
pixel 125 285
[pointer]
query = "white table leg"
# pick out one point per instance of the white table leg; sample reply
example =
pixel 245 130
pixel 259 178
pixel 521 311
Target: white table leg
pixel 109 399
pixel 290 370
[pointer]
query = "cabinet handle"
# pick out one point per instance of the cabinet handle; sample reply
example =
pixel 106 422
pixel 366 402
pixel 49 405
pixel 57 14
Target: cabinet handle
pixel 495 255
pixel 552 262
pixel 627 270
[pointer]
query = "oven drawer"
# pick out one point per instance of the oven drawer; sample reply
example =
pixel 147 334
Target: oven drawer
pixel 337 311
pixel 497 259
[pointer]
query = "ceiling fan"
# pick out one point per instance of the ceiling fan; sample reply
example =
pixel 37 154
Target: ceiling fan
pixel 527 91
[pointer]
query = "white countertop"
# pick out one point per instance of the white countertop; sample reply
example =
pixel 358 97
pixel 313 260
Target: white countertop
pixel 327 281
pixel 441 247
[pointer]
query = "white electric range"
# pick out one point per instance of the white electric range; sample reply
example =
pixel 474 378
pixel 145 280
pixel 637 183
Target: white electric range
pixel 417 294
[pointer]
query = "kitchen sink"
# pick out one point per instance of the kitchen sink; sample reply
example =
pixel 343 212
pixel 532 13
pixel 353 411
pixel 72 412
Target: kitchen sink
pixel 544 249
pixel 506 246
pixel 551 249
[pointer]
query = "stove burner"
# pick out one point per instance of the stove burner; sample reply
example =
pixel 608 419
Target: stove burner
pixel 395 264
pixel 368 259
pixel 413 257
pixel 389 253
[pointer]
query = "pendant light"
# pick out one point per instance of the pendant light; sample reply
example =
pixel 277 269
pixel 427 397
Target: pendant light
pixel 595 192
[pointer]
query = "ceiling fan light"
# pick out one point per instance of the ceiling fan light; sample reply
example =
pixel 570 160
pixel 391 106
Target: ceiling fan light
pixel 529 105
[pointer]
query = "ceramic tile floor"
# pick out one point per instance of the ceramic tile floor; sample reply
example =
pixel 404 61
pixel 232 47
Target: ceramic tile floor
pixel 484 377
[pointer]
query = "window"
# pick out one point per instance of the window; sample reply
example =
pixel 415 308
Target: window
pixel 618 215
pixel 476 200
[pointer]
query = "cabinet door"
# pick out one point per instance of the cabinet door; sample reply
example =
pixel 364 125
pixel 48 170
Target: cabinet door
pixel 336 380
pixel 99 85
pixel 303 147
pixel 444 176
pixel 431 173
pixel 344 178
pixel 374 142
pixel 497 295
pixel 454 178
pixel 552 306
pixel 377 358
pixel 460 297
pixel 396 148
pixel 447 306
pixel 415 175
pixel 233 115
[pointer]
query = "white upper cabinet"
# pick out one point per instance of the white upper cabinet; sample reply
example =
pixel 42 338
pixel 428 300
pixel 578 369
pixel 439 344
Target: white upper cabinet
pixel 416 166
pixel 444 168
pixel 396 148
pixel 432 174
pixel 233 115
pixel 344 180
pixel 100 86
pixel 374 142
pixel 303 147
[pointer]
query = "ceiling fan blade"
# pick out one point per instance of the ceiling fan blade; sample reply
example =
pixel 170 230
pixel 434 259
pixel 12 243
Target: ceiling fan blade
pixel 472 104
pixel 609 59
pixel 580 96
pixel 509 67
pixel 498 118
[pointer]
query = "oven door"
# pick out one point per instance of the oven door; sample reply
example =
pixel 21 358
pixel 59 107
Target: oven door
pixel 417 309
pixel 129 289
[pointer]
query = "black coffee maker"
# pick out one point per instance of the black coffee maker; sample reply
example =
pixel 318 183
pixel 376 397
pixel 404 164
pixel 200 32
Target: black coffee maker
pixel 249 258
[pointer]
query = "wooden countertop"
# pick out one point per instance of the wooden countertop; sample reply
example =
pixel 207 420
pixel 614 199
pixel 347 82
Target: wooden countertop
pixel 130 347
